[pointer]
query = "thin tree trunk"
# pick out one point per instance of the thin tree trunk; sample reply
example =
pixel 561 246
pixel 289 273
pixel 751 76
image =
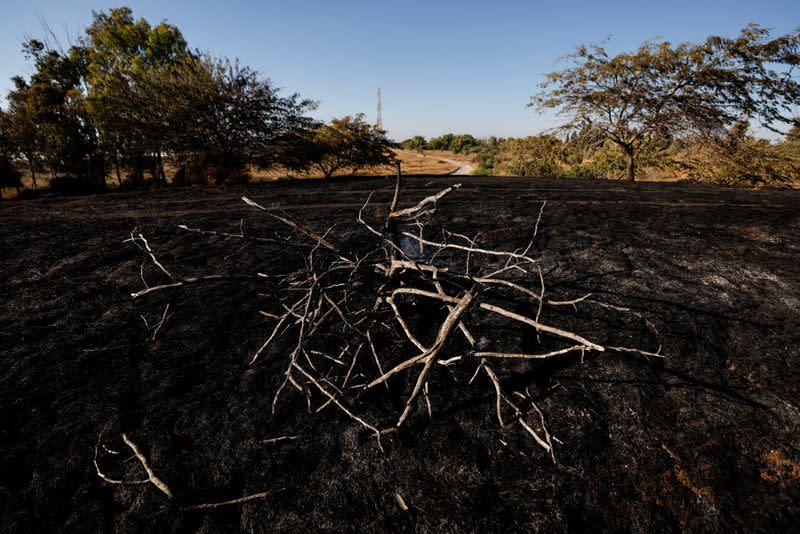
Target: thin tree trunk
pixel 33 173
pixel 162 175
pixel 119 176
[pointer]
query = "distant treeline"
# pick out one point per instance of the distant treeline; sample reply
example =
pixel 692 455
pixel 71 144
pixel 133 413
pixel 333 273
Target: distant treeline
pixel 736 157
pixel 129 97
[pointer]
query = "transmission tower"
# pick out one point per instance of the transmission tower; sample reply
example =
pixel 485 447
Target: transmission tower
pixel 379 122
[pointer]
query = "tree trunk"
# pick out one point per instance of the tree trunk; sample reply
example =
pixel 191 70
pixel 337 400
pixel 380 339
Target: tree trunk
pixel 161 168
pixel 119 176
pixel 631 165
pixel 33 173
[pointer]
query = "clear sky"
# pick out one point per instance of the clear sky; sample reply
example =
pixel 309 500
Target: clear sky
pixel 460 66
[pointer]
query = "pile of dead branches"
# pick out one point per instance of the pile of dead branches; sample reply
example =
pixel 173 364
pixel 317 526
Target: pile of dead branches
pixel 375 328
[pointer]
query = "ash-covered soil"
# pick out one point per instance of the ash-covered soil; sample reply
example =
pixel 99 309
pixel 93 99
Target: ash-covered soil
pixel 707 440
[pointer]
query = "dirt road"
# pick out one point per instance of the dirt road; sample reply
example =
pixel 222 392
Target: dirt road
pixel 463 169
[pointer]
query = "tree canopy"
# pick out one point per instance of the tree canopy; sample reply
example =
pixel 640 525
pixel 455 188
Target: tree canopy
pixel 345 143
pixel 129 94
pixel 640 98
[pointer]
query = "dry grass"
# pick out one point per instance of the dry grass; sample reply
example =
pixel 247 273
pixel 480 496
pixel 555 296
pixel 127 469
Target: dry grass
pixel 411 162
pixel 433 162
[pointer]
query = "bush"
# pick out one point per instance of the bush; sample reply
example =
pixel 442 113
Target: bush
pixel 583 172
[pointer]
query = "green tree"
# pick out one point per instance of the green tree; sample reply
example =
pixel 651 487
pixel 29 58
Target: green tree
pixel 638 99
pixel 345 143
pixel 441 143
pixel 228 118
pixel 463 143
pixel 121 52
pixel 415 143
pixel 129 94
pixel 22 135
pixel 50 123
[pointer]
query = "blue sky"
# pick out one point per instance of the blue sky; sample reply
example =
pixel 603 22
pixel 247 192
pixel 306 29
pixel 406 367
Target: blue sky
pixel 461 66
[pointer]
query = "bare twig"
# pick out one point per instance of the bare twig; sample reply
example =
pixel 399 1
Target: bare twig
pixel 214 505
pixel 157 482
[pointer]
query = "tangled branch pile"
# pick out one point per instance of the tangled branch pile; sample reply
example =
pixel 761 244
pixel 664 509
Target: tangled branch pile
pixel 368 331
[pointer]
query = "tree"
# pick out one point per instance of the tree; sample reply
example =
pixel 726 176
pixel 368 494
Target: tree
pixel 416 143
pixel 348 142
pixel 441 143
pixel 22 136
pixel 221 117
pixel 121 51
pixel 49 119
pixel 9 176
pixel 641 98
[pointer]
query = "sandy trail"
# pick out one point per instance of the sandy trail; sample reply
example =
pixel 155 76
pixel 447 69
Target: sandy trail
pixel 462 168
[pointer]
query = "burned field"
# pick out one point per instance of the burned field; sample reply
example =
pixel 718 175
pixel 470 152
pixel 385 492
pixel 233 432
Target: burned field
pixel 688 418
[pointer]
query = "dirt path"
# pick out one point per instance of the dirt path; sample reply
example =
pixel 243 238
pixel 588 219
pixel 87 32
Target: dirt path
pixel 462 168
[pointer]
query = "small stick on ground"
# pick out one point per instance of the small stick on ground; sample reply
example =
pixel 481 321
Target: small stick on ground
pixel 213 505
pixel 157 482
pixel 281 439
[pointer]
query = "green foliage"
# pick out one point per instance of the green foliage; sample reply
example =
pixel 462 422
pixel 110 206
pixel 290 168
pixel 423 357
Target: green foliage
pixel 128 95
pixel 416 143
pixel 49 119
pixel 529 156
pixel 638 99
pixel 486 157
pixel 345 143
pixel 223 117
pixel 121 56
pixel 441 143
pixel 461 143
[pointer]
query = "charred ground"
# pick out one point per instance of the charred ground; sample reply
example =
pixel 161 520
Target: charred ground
pixel 706 440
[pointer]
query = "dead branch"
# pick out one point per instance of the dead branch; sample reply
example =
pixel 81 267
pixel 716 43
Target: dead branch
pixel 272 441
pixel 332 307
pixel 157 482
pixel 422 205
pixel 431 355
pixel 214 505
pixel 298 227
pixel 108 479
